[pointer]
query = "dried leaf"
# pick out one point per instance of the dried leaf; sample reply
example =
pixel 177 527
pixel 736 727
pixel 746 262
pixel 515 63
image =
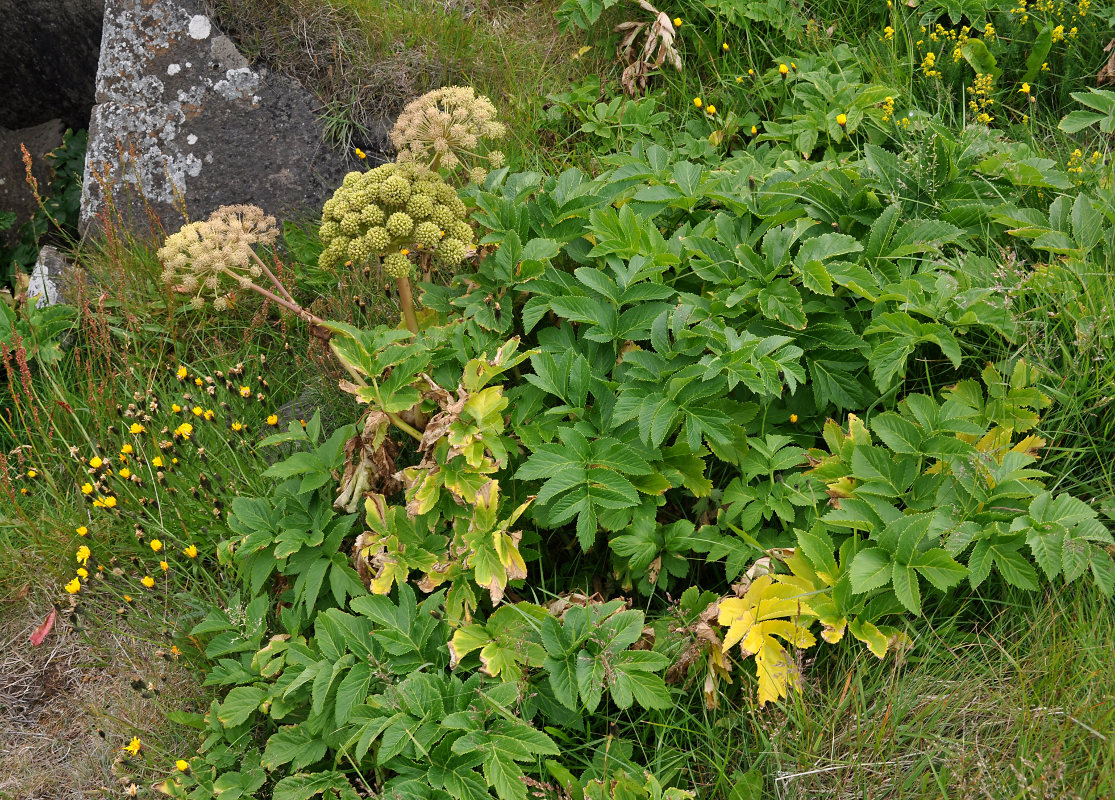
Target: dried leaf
pixel 40 633
pixel 1107 71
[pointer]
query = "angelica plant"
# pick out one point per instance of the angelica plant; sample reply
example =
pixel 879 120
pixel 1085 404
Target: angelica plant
pixel 398 213
pixel 206 259
pixel 446 128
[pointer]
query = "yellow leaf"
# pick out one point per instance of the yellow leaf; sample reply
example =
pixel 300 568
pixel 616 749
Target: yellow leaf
pixel 580 53
pixel 871 636
pixel 773 606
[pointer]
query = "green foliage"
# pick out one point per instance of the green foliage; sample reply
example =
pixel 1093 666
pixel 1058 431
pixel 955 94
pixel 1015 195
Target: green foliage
pixel 38 330
pixel 1103 101
pixel 57 214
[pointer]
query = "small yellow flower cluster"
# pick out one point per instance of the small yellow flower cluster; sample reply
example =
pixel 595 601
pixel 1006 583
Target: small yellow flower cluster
pixel 980 100
pixel 960 40
pixel 888 109
pixel 1076 162
pixel 928 65
pixel 888 34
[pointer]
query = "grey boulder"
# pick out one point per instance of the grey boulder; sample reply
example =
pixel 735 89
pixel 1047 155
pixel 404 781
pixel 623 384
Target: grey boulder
pixel 183 124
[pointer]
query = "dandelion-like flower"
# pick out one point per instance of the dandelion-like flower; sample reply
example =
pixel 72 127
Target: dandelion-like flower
pixel 74 586
pixel 82 555
pixel 133 747
pixel 147 581
pixel 444 128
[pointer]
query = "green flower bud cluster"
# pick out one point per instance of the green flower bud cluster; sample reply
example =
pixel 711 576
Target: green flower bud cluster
pixel 445 128
pixel 203 256
pixel 394 211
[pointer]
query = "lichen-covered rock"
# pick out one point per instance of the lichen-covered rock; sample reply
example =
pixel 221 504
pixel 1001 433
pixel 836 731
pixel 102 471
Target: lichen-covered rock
pixel 183 121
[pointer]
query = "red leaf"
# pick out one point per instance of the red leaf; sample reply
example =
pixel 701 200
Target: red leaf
pixel 41 631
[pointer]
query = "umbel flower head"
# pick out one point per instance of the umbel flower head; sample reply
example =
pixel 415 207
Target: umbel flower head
pixel 197 257
pixel 445 127
pixel 394 211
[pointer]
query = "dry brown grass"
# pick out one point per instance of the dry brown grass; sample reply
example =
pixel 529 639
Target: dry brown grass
pixel 364 59
pixel 68 706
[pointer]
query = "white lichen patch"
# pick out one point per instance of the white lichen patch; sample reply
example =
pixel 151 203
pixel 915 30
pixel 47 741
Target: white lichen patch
pixel 239 84
pixel 173 69
pixel 191 139
pixel 200 27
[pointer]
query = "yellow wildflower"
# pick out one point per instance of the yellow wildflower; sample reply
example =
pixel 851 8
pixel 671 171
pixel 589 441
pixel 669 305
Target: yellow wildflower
pixel 197 411
pixel 245 391
pixel 190 551
pixel 794 419
pixel 1025 88
pixel 82 530
pixel 783 70
pixel 74 586
pixel 147 581
pixel 181 373
pixel 361 155
pixel 724 47
pixel 82 572
pixel 237 427
pixel 698 102
pixel 125 473
pixel 95 462
pixel 164 566
pixel 83 554
pixel 110 502
pixel 677 22
pixel 157 461
pixel 86 488
pixel 184 430
pixel 273 419
pixel 175 407
pixel 127 450
pixel 181 764
pixel 156 545
pixel 32 473
pixel 136 428
pixel 133 747
pixel 841 120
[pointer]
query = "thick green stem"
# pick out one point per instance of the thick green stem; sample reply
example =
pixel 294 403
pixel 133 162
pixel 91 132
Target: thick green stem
pixel 404 427
pixel 406 301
